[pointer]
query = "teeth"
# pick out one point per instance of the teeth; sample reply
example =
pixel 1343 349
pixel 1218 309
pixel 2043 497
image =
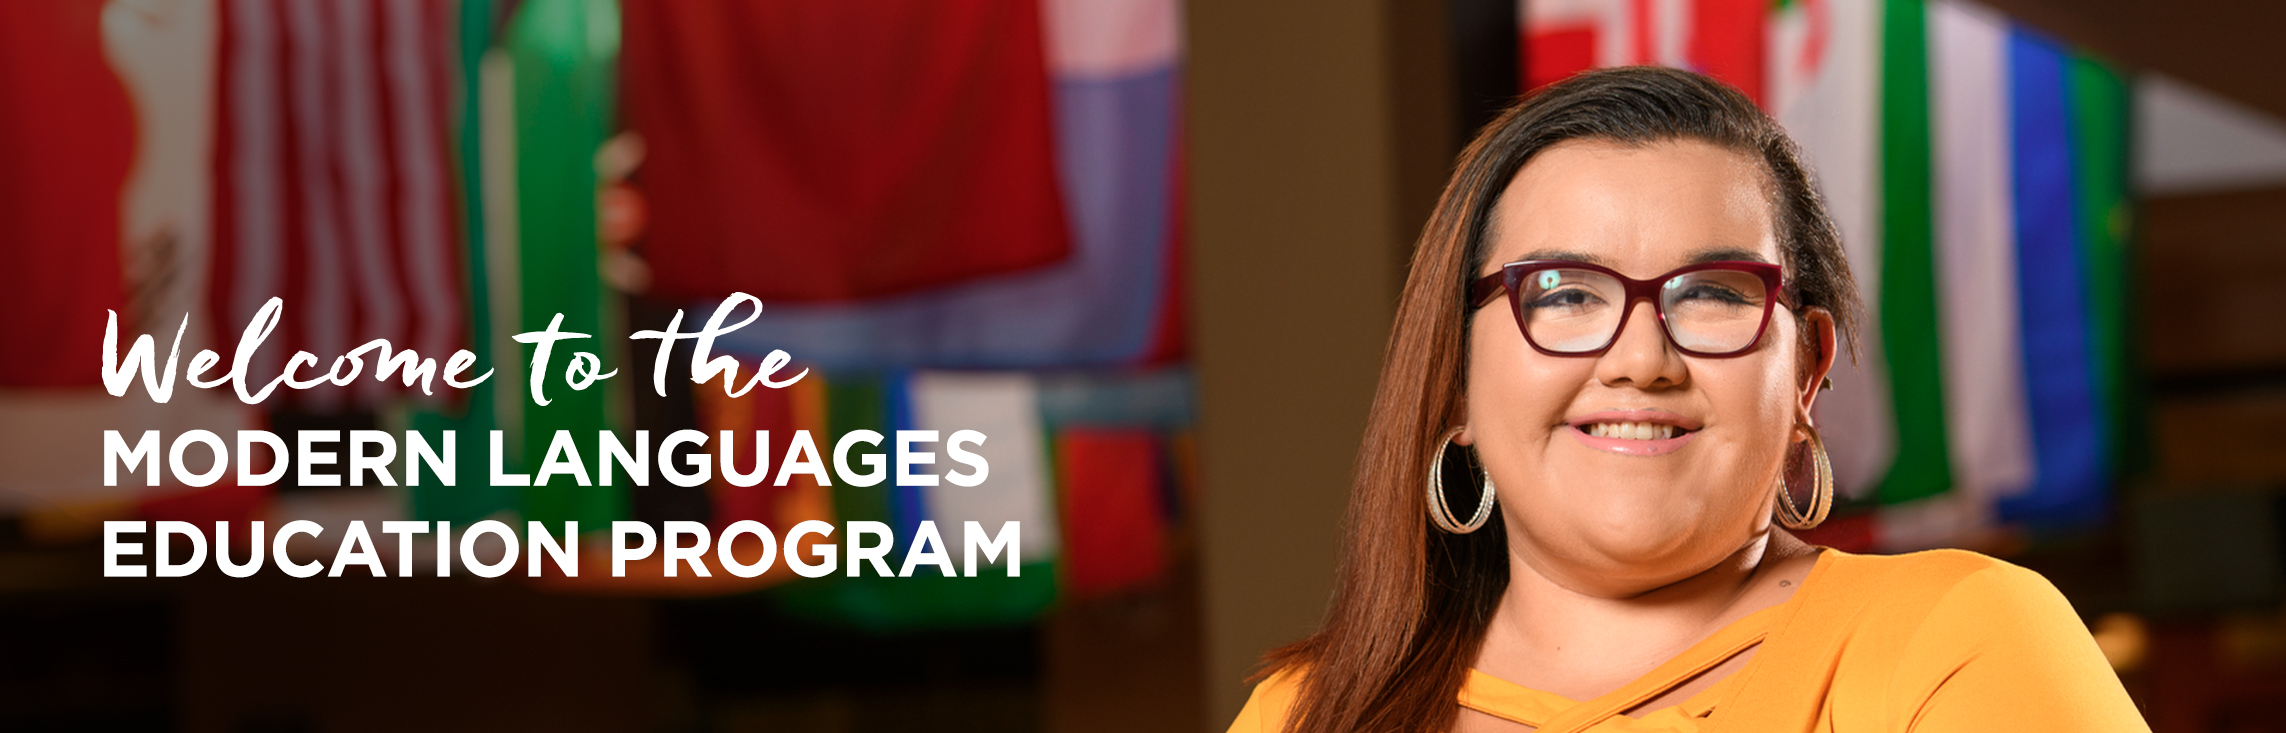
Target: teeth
pixel 1632 430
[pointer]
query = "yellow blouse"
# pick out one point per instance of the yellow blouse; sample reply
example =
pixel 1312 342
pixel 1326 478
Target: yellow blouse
pixel 1929 642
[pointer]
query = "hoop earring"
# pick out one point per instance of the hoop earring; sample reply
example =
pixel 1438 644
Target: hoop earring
pixel 1442 514
pixel 1821 497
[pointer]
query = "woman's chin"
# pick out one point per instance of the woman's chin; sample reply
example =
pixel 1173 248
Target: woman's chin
pixel 1639 558
pixel 1629 533
pixel 1641 553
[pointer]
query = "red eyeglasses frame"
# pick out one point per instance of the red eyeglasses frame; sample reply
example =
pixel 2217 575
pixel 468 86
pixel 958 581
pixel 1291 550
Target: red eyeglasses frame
pixel 1512 276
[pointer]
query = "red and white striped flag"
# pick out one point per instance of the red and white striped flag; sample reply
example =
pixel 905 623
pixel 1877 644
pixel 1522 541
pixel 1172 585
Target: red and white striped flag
pixel 333 186
pixel 1720 38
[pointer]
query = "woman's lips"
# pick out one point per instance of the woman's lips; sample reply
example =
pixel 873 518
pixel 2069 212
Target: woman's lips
pixel 1631 447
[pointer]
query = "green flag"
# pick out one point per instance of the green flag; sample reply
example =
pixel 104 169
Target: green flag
pixel 1909 332
pixel 563 53
pixel 472 496
pixel 2100 111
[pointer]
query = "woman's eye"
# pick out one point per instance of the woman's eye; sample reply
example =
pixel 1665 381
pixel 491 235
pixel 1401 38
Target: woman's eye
pixel 1714 293
pixel 1567 298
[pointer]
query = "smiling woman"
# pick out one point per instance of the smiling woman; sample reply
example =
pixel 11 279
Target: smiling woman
pixel 1624 439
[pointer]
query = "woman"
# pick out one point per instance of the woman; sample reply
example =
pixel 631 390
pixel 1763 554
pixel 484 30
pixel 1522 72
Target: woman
pixel 1596 401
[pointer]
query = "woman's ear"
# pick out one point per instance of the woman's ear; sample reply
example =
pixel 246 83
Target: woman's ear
pixel 1458 416
pixel 1820 322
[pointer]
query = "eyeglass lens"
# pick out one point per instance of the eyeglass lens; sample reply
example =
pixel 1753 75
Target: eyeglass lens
pixel 1577 311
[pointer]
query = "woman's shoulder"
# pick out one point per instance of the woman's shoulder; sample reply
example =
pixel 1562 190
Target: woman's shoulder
pixel 1952 593
pixel 1273 699
pixel 1957 640
pixel 1928 574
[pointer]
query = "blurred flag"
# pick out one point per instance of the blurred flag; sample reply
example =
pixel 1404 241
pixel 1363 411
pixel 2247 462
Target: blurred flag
pixel 797 407
pixel 1155 401
pixel 1003 406
pixel 548 111
pixel 469 421
pixel 1720 38
pixel 1112 508
pixel 1988 433
pixel 1103 527
pixel 104 160
pixel 66 143
pixel 1161 399
pixel 800 406
pixel 333 186
pixel 2066 367
pixel 1826 84
pixel 1114 70
pixel 1908 295
pixel 770 411
pixel 837 151
pixel 2102 104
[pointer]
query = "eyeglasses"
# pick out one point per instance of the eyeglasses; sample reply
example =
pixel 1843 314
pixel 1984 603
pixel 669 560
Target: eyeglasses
pixel 1568 308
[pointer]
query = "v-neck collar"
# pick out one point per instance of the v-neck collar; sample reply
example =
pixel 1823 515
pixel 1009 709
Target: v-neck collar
pixel 1552 713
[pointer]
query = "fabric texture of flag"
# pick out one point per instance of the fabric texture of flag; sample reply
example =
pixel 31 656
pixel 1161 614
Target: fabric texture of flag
pixel 1826 84
pixel 2068 424
pixel 2102 104
pixel 1005 408
pixel 1975 250
pixel 333 185
pixel 561 56
pixel 760 429
pixel 470 422
pixel 1160 401
pixel 1974 262
pixel 806 152
pixel 65 150
pixel 1115 92
pixel 1112 509
pixel 1909 327
pixel 1724 39
pixel 105 160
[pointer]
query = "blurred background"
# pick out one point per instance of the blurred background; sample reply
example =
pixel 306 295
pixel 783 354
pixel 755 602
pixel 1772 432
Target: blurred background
pixel 1152 249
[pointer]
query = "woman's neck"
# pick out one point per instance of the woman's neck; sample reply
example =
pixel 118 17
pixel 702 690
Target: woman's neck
pixel 1558 627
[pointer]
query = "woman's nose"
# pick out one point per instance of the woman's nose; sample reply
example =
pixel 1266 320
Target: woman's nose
pixel 1641 356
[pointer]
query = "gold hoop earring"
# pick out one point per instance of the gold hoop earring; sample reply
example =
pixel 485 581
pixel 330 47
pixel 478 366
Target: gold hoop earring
pixel 1821 497
pixel 1441 513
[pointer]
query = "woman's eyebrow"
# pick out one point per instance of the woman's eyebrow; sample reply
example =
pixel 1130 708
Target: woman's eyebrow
pixel 1720 254
pixel 1562 254
pixel 1727 254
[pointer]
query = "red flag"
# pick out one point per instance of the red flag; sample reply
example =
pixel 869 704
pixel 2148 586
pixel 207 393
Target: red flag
pixel 1114 527
pixel 1170 336
pixel 807 151
pixel 67 137
pixel 1727 42
pixel 333 182
pixel 1720 38
pixel 1555 53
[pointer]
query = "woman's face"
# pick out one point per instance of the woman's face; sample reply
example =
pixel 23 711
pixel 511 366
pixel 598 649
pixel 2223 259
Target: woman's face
pixel 1623 516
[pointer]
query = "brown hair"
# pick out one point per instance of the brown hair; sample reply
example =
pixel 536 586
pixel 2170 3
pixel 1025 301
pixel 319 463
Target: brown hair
pixel 1411 606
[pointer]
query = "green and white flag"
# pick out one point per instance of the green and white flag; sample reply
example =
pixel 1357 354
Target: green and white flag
pixel 1984 241
pixel 1825 82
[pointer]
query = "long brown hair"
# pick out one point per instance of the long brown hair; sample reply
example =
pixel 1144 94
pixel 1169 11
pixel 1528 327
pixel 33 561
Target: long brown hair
pixel 1411 605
